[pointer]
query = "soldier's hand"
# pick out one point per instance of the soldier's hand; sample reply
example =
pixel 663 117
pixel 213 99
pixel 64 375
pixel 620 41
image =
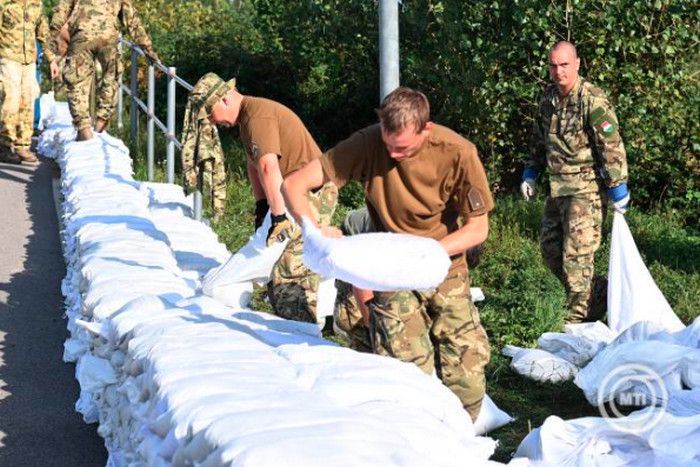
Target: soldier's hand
pixel 190 179
pixel 280 230
pixel 527 188
pixel 620 197
pixel 55 70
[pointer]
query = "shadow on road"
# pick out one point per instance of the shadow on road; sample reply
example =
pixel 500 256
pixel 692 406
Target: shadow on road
pixel 38 422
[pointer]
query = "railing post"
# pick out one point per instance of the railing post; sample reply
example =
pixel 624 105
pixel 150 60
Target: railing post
pixel 198 205
pixel 170 147
pixel 133 108
pixel 120 93
pixel 151 104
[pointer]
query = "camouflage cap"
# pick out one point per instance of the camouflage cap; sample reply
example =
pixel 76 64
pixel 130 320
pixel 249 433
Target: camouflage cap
pixel 207 92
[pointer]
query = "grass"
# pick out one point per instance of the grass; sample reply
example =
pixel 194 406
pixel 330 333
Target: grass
pixel 523 299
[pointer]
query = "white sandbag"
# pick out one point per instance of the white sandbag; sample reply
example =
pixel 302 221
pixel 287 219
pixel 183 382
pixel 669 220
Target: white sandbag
pixel 539 365
pixel 630 363
pixel 253 262
pixel 574 349
pixel 632 293
pixel 377 261
pixel 490 417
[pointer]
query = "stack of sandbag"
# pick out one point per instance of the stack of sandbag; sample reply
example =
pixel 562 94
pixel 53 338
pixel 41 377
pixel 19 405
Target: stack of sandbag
pixel 176 378
pixel 647 358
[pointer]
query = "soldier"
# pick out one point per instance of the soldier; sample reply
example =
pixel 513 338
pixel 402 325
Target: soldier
pixel 418 178
pixel 576 135
pixel 88 30
pixel 23 23
pixel 277 143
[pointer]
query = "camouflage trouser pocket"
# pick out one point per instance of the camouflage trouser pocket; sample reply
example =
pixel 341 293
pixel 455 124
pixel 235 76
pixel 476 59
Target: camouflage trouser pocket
pixel 399 328
pixel 74 70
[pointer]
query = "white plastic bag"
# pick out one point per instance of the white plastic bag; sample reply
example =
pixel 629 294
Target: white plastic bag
pixel 632 293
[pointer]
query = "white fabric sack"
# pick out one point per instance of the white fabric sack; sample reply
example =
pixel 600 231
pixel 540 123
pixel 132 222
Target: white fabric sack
pixel 632 293
pixel 490 417
pixel 539 365
pixel 377 261
pixel 253 262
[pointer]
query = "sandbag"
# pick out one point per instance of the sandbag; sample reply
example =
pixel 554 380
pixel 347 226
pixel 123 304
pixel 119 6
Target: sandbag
pixel 377 261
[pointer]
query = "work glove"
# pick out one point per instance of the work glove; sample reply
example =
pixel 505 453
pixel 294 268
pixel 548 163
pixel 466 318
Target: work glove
pixel 527 188
pixel 261 208
pixel 280 229
pixel 620 197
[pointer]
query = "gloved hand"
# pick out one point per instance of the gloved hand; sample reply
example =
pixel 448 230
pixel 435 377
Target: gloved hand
pixel 261 208
pixel 190 179
pixel 527 188
pixel 280 229
pixel 620 197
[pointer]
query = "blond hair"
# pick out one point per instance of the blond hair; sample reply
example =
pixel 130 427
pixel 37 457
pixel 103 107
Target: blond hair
pixel 402 108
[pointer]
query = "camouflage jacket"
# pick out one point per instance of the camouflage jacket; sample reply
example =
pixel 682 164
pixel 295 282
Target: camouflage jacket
pixel 577 137
pixel 94 23
pixel 22 23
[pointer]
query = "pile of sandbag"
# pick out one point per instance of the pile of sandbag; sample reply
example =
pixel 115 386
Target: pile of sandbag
pixel 174 377
pixel 646 358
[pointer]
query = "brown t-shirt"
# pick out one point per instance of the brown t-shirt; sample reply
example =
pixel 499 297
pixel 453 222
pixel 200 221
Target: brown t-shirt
pixel 421 195
pixel 268 127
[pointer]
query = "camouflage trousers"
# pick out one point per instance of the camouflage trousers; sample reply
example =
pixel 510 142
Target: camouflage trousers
pixel 214 176
pixel 293 287
pixel 19 90
pixel 78 75
pixel 438 330
pixel 443 324
pixel 571 234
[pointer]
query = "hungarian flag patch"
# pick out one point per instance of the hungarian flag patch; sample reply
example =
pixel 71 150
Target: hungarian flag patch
pixel 607 127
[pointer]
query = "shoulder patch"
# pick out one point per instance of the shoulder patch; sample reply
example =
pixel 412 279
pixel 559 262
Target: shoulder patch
pixel 475 198
pixel 254 150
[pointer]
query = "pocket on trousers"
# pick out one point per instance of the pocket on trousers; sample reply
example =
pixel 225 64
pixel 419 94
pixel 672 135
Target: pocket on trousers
pixel 71 69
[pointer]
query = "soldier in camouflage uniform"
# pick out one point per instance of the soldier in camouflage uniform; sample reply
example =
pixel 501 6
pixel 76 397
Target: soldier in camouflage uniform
pixel 576 135
pixel 22 23
pixel 277 143
pixel 202 155
pixel 93 28
pixel 419 178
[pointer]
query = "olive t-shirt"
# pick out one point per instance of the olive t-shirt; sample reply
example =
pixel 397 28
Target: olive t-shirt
pixel 268 127
pixel 423 194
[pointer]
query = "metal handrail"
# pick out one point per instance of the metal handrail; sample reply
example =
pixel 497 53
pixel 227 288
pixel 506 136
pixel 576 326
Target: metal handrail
pixel 148 108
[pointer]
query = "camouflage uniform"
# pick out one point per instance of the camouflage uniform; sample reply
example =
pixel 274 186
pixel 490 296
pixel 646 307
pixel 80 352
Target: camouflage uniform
pixel 401 324
pixel 293 287
pixel 22 23
pixel 94 27
pixel 577 137
pixel 202 155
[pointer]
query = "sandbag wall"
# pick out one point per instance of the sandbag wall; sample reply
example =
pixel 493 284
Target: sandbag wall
pixel 173 377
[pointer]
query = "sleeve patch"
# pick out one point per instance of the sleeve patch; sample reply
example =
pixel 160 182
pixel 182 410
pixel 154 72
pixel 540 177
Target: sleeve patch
pixel 603 122
pixel 254 151
pixel 476 200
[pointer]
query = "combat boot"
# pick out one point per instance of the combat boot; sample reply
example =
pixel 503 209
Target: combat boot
pixel 84 134
pixel 26 155
pixel 101 125
pixel 9 157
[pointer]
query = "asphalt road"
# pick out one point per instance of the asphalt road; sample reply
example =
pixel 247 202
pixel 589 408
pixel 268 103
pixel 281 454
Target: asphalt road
pixel 38 422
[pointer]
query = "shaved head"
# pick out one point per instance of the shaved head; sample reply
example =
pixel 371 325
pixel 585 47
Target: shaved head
pixel 563 66
pixel 564 46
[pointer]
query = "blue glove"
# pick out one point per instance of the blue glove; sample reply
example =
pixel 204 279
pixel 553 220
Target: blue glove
pixel 527 187
pixel 620 197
